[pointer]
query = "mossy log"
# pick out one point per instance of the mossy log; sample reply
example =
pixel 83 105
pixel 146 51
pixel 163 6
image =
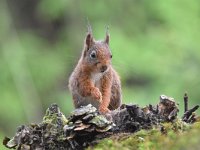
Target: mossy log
pixel 85 126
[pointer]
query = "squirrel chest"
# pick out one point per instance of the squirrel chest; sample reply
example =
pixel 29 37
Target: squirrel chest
pixel 96 79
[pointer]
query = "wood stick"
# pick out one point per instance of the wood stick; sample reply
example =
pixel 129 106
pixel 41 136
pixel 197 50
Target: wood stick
pixel 185 102
pixel 188 113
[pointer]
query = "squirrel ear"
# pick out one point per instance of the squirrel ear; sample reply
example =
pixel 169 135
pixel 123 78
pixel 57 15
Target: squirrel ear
pixel 88 40
pixel 107 39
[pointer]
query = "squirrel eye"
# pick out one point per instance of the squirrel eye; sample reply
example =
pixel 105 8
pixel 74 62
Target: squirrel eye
pixel 93 54
pixel 111 56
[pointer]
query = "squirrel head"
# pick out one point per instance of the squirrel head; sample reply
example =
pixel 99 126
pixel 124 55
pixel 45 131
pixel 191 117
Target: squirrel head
pixel 96 55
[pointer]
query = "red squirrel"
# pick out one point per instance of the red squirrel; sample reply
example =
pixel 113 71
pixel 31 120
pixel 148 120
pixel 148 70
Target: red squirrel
pixel 94 81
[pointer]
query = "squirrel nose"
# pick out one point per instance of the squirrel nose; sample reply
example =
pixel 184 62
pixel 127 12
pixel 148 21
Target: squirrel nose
pixel 103 68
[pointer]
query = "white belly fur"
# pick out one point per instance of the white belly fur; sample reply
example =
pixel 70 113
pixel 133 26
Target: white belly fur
pixel 96 77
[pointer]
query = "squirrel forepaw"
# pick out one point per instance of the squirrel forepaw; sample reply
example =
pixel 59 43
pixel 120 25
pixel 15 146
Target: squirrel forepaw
pixel 104 110
pixel 96 94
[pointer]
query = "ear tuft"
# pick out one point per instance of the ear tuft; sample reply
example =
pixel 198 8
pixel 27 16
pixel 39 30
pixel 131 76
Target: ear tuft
pixel 107 39
pixel 89 38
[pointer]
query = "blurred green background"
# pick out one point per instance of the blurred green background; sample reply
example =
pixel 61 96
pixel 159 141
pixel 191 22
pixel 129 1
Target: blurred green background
pixel 155 46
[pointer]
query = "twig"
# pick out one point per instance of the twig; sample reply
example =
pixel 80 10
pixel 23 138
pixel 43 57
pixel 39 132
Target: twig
pixel 173 114
pixel 185 102
pixel 188 113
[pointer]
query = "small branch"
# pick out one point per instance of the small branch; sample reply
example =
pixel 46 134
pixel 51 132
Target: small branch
pixel 185 102
pixel 188 113
pixel 173 114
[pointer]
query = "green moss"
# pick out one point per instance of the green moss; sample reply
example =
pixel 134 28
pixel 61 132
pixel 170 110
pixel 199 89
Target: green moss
pixel 177 135
pixel 53 117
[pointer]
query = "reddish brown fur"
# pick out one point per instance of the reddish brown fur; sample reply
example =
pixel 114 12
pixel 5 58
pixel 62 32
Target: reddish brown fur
pixel 88 84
